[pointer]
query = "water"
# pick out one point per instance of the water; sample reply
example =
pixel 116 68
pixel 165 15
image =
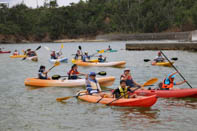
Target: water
pixel 37 110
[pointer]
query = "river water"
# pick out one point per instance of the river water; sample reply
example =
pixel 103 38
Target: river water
pixel 22 109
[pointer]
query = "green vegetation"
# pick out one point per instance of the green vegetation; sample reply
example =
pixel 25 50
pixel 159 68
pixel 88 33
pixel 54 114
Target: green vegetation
pixel 86 19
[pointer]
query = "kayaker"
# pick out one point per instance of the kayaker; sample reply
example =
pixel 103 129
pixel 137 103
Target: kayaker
pixel 168 82
pixel 101 58
pixel 53 55
pixel 42 74
pixel 123 91
pixel 92 85
pixel 109 48
pixel 128 78
pixel 77 54
pixel 59 54
pixel 73 73
pixel 31 53
pixel 85 57
pixel 15 52
pixel 159 58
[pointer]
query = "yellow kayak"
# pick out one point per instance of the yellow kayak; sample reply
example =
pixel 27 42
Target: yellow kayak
pixel 74 61
pixel 162 64
pixel 17 56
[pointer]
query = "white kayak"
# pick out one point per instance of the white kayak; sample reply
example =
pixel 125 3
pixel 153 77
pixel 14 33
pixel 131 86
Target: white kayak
pixel 103 81
pixel 64 59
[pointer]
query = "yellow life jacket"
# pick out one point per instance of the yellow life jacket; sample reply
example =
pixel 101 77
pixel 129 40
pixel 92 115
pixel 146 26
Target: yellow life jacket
pixel 123 91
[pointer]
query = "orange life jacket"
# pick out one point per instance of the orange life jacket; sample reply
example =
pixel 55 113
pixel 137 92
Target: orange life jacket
pixel 167 85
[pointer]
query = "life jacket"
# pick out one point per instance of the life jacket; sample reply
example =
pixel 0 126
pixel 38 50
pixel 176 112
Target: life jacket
pixel 72 74
pixel 15 53
pixel 93 84
pixel 170 85
pixel 123 92
pixel 129 81
pixel 41 75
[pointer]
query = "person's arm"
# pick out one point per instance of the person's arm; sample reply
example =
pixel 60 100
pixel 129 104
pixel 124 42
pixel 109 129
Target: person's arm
pixel 179 83
pixel 172 74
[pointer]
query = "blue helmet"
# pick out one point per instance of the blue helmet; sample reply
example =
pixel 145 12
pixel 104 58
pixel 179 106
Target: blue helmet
pixel 92 74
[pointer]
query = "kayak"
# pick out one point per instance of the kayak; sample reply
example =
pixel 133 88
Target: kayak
pixel 103 81
pixel 162 64
pixel 174 93
pixel 140 101
pixel 105 64
pixel 17 56
pixel 1 52
pixel 108 50
pixel 33 58
pixel 64 59
pixel 93 60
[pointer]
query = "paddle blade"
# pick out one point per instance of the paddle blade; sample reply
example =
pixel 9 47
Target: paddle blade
pixel 47 48
pixel 175 58
pixel 79 47
pixel 62 46
pixel 150 82
pixel 102 73
pixel 57 63
pixel 38 47
pixel 55 77
pixel 101 51
pixel 63 98
pixel 146 60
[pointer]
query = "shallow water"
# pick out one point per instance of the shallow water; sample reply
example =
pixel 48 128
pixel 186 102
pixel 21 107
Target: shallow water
pixel 37 110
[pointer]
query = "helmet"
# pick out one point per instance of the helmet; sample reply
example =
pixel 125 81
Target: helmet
pixel 159 53
pixel 100 55
pixel 92 74
pixel 86 52
pixel 127 69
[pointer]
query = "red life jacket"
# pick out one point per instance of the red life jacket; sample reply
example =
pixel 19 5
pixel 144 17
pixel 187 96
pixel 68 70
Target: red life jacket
pixel 129 78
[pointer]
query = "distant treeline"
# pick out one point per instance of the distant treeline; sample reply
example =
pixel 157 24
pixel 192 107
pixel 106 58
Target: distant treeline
pixel 93 17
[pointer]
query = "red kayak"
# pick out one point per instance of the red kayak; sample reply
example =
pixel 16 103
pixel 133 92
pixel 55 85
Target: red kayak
pixel 174 93
pixel 1 52
pixel 140 101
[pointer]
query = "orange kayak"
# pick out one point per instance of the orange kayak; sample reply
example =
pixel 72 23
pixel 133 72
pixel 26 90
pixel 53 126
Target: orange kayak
pixel 105 64
pixel 140 101
pixel 103 81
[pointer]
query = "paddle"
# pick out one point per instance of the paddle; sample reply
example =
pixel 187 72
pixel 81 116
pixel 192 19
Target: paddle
pixel 34 50
pixel 149 82
pixel 56 77
pixel 99 52
pixel 173 58
pixel 175 68
pixel 68 97
pixel 57 63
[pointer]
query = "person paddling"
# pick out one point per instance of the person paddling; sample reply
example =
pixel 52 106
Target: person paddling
pixel 109 48
pixel 85 57
pixel 31 53
pixel 159 58
pixel 122 91
pixel 42 74
pixel 73 73
pixel 15 52
pixel 77 55
pixel 101 58
pixel 92 85
pixel 168 83
pixel 128 78
pixel 53 55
